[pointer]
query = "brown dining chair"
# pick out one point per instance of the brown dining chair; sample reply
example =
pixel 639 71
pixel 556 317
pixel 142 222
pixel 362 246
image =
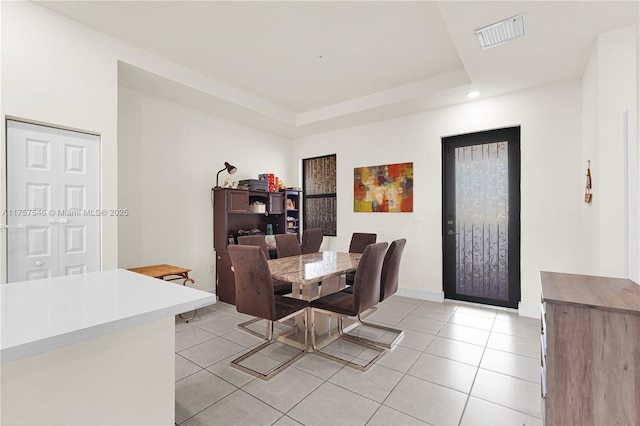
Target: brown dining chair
pixel 254 296
pixel 359 241
pixel 279 287
pixel 255 240
pixel 287 245
pixel 366 294
pixel 311 240
pixel 388 287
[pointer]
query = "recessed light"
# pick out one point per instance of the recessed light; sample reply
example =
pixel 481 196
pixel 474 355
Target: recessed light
pixel 473 94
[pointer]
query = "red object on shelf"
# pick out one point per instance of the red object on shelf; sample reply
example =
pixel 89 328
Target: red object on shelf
pixel 271 180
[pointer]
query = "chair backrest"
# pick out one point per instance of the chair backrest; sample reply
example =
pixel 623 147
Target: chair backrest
pixel 361 240
pixel 287 245
pixel 255 240
pixel 366 285
pixel 391 269
pixel 311 240
pixel 254 288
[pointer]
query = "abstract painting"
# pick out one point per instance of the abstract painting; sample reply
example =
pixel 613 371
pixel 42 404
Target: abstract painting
pixel 387 188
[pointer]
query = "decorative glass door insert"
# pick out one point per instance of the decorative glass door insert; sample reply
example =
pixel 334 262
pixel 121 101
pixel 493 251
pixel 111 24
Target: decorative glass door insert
pixel 482 220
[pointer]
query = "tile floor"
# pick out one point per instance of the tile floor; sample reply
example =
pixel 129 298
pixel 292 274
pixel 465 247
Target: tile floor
pixel 457 364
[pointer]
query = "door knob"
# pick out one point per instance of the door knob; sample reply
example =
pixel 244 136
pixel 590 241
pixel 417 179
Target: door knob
pixel 20 226
pixel 451 232
pixel 38 263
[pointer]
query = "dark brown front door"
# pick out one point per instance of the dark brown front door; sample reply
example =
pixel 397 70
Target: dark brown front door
pixel 481 217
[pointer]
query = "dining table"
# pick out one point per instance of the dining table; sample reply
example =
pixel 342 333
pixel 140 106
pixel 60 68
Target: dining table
pixel 313 275
pixel 306 272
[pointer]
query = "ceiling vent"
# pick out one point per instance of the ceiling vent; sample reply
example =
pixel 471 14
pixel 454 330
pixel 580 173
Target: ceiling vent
pixel 501 32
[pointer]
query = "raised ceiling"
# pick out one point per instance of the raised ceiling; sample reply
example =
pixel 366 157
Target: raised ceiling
pixel 324 65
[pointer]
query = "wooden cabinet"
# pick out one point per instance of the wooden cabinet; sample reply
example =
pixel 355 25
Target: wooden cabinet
pixel 232 213
pixel 276 204
pixel 590 350
pixel 225 280
pixel 238 201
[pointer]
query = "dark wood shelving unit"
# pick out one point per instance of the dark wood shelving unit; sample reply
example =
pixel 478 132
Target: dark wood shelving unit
pixel 292 204
pixel 232 213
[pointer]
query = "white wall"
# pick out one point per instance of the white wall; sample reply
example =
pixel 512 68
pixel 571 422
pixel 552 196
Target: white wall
pixel 63 75
pixel 610 91
pixel 58 72
pixel 551 187
pixel 168 159
pixel 590 212
pixel 635 269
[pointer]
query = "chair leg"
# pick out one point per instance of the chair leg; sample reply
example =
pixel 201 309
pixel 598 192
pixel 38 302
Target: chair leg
pixel 237 363
pixel 243 327
pixel 268 331
pixel 312 320
pixel 380 351
pixel 368 312
pixel 399 334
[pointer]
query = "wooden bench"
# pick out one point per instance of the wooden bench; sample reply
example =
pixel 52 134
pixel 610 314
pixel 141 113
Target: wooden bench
pixel 168 273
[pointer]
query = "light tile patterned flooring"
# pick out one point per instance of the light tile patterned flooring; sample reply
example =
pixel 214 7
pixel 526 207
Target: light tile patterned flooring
pixel 457 364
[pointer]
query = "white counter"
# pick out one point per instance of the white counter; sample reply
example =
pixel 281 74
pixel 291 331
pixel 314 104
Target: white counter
pixel 42 315
pixel 97 348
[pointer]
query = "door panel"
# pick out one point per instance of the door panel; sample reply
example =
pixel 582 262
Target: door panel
pixel 74 197
pixel 481 211
pixel 38 152
pixel 53 200
pixel 79 182
pixel 75 239
pixel 38 241
pixel 38 196
pixel 75 159
pixel 31 192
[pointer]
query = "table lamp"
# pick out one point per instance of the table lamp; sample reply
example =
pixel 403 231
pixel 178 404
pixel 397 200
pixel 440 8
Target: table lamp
pixel 229 168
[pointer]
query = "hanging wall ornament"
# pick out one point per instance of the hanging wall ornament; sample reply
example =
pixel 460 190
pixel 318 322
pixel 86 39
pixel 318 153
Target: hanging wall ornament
pixel 587 189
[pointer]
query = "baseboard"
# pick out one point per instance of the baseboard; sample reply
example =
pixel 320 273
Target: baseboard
pixel 433 296
pixel 530 311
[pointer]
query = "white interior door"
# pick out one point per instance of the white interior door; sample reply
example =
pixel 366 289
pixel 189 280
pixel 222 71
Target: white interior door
pixel 53 202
